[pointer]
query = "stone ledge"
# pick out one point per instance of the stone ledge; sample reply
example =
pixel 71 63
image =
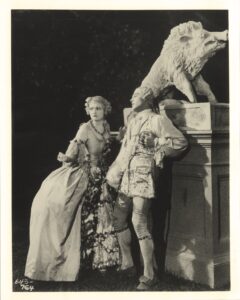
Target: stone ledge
pixel 198 116
pixel 191 117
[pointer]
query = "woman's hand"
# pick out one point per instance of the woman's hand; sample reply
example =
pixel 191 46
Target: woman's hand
pixel 66 160
pixel 95 172
pixel 63 157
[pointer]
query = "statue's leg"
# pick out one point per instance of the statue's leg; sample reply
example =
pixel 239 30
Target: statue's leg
pixel 184 85
pixel 202 88
pixel 141 208
pixel 121 211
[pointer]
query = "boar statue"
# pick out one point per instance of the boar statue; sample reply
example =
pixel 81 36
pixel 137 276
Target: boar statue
pixel 184 54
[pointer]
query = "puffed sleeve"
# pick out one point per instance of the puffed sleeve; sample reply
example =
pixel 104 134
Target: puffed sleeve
pixel 82 134
pixel 169 141
pixel 77 149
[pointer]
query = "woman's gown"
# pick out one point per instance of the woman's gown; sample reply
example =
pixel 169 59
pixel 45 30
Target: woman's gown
pixel 71 215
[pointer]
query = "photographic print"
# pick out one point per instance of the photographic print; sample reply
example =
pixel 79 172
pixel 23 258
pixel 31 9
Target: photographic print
pixel 120 145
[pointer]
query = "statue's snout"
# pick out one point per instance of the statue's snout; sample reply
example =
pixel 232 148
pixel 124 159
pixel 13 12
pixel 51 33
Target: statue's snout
pixel 221 36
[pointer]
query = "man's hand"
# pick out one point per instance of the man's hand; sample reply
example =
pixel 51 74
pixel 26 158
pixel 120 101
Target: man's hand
pixel 121 133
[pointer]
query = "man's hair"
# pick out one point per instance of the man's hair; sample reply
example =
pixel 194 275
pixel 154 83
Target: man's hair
pixel 144 92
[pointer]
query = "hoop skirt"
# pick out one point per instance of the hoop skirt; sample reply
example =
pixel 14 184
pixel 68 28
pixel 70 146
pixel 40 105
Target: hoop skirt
pixel 58 244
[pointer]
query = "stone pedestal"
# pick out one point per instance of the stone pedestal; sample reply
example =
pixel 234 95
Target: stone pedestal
pixel 198 233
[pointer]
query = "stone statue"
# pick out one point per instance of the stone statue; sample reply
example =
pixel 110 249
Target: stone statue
pixel 184 54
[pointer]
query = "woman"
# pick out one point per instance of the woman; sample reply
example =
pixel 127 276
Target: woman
pixel 71 216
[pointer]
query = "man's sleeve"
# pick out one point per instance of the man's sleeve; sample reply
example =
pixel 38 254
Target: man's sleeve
pixel 169 141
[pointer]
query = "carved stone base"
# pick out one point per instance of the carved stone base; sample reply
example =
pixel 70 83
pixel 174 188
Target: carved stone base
pixel 198 239
pixel 200 270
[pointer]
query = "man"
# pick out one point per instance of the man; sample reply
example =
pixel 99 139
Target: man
pixel 148 139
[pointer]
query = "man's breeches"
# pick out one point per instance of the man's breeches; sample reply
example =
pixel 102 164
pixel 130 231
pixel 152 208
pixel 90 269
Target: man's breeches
pixel 140 215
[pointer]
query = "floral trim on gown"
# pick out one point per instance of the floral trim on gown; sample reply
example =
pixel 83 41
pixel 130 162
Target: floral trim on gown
pixel 99 242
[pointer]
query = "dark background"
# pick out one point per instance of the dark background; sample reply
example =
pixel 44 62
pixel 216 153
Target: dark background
pixel 61 57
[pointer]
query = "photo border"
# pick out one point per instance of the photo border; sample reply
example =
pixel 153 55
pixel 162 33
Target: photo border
pixel 6 150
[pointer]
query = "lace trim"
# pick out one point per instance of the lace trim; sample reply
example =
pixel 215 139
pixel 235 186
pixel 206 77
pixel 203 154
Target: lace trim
pixel 109 263
pixel 100 137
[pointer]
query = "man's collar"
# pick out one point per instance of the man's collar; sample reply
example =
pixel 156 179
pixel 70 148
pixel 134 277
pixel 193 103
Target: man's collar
pixel 144 112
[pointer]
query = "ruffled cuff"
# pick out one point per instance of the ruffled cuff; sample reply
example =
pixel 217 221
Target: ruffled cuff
pixel 76 153
pixel 64 158
pixel 159 142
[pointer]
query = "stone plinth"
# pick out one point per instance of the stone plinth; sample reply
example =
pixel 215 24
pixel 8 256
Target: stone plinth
pixel 198 234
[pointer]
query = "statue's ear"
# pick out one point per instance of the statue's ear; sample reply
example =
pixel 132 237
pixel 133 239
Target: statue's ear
pixel 185 38
pixel 197 25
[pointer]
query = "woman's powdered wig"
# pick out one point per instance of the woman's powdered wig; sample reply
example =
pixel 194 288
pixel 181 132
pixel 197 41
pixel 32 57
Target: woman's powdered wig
pixel 105 103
